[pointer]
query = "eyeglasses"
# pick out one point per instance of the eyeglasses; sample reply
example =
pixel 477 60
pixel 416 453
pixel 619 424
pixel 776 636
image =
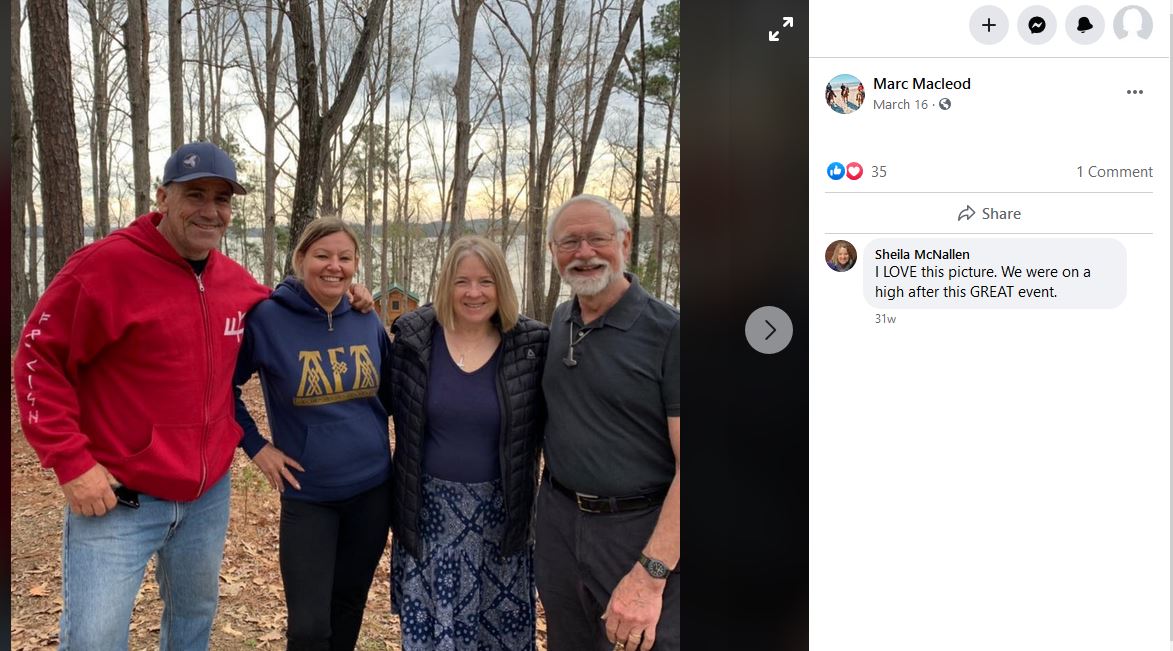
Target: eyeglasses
pixel 571 244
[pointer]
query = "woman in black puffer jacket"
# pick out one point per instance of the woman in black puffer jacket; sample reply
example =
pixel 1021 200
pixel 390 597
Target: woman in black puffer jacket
pixel 468 413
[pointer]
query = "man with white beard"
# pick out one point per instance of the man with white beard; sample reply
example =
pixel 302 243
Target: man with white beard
pixel 608 514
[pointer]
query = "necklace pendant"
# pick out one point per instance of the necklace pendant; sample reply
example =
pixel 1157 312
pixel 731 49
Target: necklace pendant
pixel 461 363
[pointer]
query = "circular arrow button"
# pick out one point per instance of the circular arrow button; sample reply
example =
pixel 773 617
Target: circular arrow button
pixel 768 330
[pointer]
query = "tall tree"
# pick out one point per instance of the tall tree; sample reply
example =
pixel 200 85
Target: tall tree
pixel 403 205
pixel 504 205
pixel 384 272
pixel 466 24
pixel 102 20
pixel 265 93
pixel 56 131
pixel 22 181
pixel 637 194
pixel 664 89
pixel 216 30
pixel 314 125
pixel 136 42
pixel 201 73
pixel 531 49
pixel 441 99
pixel 175 69
pixel 535 237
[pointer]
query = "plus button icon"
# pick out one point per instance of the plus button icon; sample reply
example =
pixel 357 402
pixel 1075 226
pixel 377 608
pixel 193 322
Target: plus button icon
pixel 989 25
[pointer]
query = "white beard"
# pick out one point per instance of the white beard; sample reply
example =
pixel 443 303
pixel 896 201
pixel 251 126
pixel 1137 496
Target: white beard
pixel 583 286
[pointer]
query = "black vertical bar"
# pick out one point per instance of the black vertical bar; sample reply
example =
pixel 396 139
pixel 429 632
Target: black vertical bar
pixel 744 229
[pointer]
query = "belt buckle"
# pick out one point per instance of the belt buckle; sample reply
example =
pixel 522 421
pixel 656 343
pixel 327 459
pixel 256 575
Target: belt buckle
pixel 579 497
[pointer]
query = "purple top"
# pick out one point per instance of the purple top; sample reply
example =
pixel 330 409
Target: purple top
pixel 464 418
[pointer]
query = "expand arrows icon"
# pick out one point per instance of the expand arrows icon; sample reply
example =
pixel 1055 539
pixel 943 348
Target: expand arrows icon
pixel 787 21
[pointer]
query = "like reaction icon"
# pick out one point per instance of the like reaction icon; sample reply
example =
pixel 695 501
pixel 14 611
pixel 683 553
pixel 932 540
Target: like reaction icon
pixel 835 171
pixel 854 171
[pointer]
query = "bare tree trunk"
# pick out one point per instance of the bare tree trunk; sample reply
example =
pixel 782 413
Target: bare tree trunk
pixel 315 128
pixel 100 41
pixel 657 231
pixel 637 198
pixel 506 205
pixel 384 271
pixel 328 207
pixel 594 30
pixel 534 246
pixel 662 187
pixel 175 69
pixel 368 207
pixel 56 131
pixel 22 167
pixel 266 96
pixel 535 238
pixel 215 74
pixel 202 85
pixel 532 268
pixel 34 256
pixel 138 88
pixel 466 22
pixel 403 205
pixel 273 34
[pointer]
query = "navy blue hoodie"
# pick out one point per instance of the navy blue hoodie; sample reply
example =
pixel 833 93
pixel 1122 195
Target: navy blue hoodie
pixel 320 373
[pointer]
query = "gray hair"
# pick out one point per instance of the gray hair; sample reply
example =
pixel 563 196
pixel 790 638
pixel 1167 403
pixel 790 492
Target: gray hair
pixel 616 214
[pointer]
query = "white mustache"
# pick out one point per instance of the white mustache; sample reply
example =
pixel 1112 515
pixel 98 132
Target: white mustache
pixel 578 264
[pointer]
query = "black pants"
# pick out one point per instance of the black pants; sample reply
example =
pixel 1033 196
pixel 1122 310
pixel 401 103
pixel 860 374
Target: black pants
pixel 579 558
pixel 329 552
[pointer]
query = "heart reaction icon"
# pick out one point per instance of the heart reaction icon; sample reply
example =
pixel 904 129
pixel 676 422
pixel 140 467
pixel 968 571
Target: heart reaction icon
pixel 854 171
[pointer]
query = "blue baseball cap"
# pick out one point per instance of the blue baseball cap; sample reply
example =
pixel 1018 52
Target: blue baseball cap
pixel 198 160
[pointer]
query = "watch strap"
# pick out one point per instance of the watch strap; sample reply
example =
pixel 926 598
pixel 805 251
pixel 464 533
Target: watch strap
pixel 657 569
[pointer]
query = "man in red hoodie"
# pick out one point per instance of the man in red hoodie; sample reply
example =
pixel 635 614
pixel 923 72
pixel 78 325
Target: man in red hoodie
pixel 123 378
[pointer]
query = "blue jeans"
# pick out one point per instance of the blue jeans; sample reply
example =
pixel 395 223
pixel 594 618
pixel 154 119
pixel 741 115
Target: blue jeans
pixel 104 558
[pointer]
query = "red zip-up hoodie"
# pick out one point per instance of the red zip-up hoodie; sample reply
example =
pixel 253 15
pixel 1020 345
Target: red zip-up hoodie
pixel 127 361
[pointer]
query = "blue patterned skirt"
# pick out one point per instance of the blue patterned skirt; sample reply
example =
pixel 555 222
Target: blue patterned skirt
pixel 463 595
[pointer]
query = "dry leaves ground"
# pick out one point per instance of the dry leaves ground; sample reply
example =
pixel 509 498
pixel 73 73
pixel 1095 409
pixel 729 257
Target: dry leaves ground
pixel 252 605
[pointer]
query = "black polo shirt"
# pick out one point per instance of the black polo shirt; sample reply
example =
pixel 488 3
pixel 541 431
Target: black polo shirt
pixel 607 422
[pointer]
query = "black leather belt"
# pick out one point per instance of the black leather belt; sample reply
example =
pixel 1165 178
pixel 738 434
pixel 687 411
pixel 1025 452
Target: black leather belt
pixel 599 504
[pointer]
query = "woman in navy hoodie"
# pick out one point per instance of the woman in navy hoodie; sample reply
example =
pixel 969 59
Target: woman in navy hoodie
pixel 320 365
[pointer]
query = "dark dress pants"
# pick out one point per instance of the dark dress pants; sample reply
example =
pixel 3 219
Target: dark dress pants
pixel 579 558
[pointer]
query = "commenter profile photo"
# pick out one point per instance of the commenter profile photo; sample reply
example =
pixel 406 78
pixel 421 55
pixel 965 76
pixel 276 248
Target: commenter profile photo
pixel 841 255
pixel 844 94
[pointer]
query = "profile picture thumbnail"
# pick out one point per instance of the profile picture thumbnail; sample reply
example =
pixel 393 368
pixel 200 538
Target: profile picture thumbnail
pixel 841 255
pixel 844 94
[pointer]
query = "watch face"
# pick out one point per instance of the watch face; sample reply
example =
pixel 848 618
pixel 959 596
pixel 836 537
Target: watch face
pixel 656 568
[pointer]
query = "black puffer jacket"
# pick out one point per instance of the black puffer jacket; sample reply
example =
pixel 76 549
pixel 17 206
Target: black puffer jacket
pixel 519 382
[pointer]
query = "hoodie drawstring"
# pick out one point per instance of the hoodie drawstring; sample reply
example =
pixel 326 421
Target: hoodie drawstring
pixel 330 320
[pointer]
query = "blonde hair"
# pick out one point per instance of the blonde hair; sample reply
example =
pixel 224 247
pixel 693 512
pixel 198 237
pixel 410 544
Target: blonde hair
pixel 494 259
pixel 316 230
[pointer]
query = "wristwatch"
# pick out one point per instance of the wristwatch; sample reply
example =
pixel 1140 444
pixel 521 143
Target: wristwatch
pixel 656 568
